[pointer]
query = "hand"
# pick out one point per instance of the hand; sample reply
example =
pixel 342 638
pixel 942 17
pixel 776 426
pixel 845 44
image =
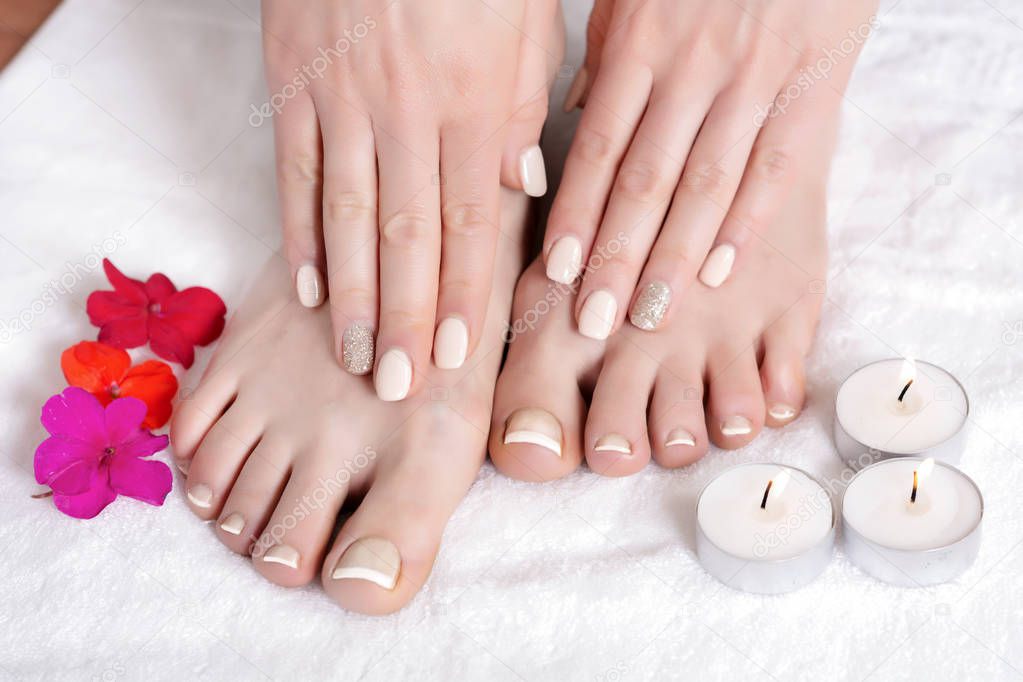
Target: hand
pixel 699 116
pixel 395 125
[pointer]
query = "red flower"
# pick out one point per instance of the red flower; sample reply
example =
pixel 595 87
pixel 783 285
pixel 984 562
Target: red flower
pixel 172 321
pixel 106 373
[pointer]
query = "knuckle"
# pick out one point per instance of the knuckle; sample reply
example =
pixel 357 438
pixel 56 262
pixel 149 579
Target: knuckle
pixel 301 170
pixel 415 321
pixel 706 179
pixel 593 146
pixel 460 287
pixel 359 298
pixel 641 181
pixel 465 219
pixel 348 206
pixel 773 165
pixel 406 229
pixel 678 257
pixel 534 109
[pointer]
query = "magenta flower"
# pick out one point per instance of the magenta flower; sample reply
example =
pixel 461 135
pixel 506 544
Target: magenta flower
pixel 94 453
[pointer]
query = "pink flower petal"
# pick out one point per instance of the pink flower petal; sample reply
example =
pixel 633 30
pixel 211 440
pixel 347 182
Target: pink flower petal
pixel 127 332
pixel 169 343
pixel 197 313
pixel 123 420
pixel 148 480
pixel 67 466
pixel 142 445
pixel 159 287
pixel 104 306
pixel 89 503
pixel 76 415
pixel 131 289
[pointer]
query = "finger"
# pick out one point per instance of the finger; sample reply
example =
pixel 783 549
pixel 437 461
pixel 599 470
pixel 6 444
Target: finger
pixel 597 29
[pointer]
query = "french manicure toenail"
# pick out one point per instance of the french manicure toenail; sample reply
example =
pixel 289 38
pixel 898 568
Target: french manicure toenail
pixel 565 260
pixel 233 524
pixel 532 172
pixel 782 412
pixel 201 495
pixel 309 283
pixel 613 442
pixel 650 306
pixel 374 559
pixel 357 349
pixel 282 554
pixel 717 266
pixel 736 426
pixel 534 426
pixel 679 437
pixel 450 343
pixel 576 89
pixel 394 375
pixel 597 316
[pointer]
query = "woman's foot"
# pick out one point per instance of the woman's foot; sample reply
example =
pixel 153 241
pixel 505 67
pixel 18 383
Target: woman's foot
pixel 277 437
pixel 729 362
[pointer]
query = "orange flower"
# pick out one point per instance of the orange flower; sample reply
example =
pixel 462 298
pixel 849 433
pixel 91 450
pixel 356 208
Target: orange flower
pixel 106 372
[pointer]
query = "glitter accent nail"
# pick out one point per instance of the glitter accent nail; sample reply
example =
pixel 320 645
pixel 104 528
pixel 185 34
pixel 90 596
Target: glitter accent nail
pixel 357 349
pixel 650 306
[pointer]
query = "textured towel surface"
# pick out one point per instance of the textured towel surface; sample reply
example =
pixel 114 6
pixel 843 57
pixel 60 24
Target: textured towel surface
pixel 125 130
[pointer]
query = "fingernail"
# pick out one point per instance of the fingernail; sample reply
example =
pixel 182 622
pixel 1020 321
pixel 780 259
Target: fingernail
pixel 650 306
pixel 679 437
pixel 736 426
pixel 717 266
pixel 576 89
pixel 309 283
pixel 182 465
pixel 565 260
pixel 782 412
pixel 233 524
pixel 598 315
pixel 532 172
pixel 357 347
pixel 282 554
pixel 200 495
pixel 534 426
pixel 373 559
pixel 613 442
pixel 450 343
pixel 394 376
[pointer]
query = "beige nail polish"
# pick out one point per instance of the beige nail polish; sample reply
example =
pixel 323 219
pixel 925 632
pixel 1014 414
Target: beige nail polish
pixel 576 90
pixel 450 343
pixel 717 266
pixel 309 283
pixel 565 260
pixel 285 555
pixel 233 524
pixel 534 426
pixel 613 442
pixel 597 316
pixel 201 495
pixel 357 346
pixel 736 426
pixel 782 412
pixel 532 172
pixel 679 437
pixel 650 306
pixel 374 559
pixel 394 376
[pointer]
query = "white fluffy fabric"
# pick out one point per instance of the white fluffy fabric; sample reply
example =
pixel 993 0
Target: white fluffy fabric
pixel 124 128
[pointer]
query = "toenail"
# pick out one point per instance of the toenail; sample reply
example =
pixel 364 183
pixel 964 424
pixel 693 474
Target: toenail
pixel 598 315
pixel 736 426
pixel 649 308
pixel 565 260
pixel 679 437
pixel 450 343
pixel 532 172
pixel 282 554
pixel 201 495
pixel 373 559
pixel 394 375
pixel 182 465
pixel 534 426
pixel 782 412
pixel 717 266
pixel 357 349
pixel 233 524
pixel 309 283
pixel 613 442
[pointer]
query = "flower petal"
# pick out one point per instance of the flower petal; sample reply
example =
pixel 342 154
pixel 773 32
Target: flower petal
pixel 77 415
pixel 104 306
pixel 94 366
pixel 153 382
pixel 169 343
pixel 158 287
pixel 65 465
pixel 127 332
pixel 88 504
pixel 196 312
pixel 142 445
pixel 148 480
pixel 131 289
pixel 123 419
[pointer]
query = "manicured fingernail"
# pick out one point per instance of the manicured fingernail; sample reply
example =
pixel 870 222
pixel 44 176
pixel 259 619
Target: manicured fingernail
pixel 679 437
pixel 532 172
pixel 450 343
pixel 394 376
pixel 613 442
pixel 282 554
pixel 233 524
pixel 183 465
pixel 736 426
pixel 534 426
pixel 309 283
pixel 575 90
pixel 650 306
pixel 373 559
pixel 565 260
pixel 717 266
pixel 597 316
pixel 357 347
pixel 200 495
pixel 782 412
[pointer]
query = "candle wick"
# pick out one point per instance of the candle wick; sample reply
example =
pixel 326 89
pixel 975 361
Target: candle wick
pixel 904 389
pixel 767 491
pixel 916 483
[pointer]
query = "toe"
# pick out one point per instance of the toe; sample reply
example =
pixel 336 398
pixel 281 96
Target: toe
pixel 677 425
pixel 786 344
pixel 735 413
pixel 196 412
pixel 246 511
pixel 219 458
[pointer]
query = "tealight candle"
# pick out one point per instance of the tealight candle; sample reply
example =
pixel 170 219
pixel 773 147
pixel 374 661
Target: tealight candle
pixel 898 407
pixel 912 521
pixel 764 528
